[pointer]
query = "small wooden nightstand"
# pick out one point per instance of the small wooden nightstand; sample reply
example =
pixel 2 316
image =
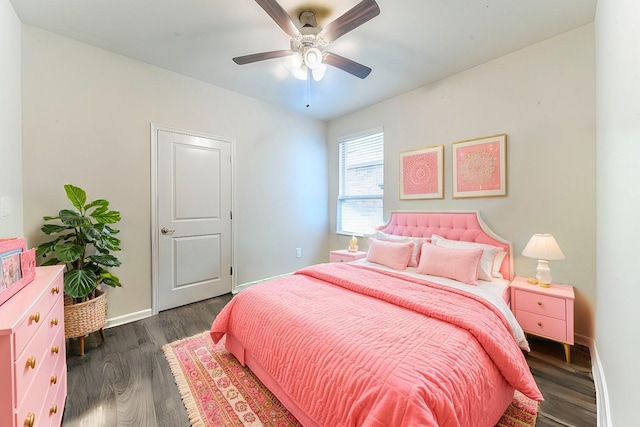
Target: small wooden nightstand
pixel 344 255
pixel 546 312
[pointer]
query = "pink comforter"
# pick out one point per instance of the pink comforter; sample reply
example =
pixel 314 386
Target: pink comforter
pixel 356 347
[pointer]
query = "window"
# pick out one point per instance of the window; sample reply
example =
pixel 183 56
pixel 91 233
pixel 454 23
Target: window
pixel 361 183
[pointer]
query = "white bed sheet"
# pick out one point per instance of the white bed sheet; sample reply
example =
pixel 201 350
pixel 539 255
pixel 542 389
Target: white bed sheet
pixel 492 292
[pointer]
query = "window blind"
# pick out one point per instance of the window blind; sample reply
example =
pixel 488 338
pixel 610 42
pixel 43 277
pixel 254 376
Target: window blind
pixel 361 183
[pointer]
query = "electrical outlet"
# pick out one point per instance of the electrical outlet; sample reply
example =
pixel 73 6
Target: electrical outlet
pixel 298 252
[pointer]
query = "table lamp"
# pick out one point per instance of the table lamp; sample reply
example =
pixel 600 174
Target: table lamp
pixel 543 247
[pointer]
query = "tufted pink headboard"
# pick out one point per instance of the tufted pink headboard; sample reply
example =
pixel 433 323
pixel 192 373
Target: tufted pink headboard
pixel 454 225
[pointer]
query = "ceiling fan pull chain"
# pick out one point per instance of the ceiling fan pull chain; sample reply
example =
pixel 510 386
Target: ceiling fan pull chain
pixel 308 87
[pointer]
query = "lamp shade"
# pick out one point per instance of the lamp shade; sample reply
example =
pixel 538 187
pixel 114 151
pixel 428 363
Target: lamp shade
pixel 543 246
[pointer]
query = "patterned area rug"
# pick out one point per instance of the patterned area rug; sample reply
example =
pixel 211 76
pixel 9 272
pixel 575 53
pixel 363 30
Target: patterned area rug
pixel 217 391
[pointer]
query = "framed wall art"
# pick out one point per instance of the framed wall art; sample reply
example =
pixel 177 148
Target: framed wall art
pixel 480 167
pixel 17 266
pixel 422 173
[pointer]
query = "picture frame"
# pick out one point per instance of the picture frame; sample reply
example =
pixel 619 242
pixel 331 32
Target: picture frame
pixel 422 173
pixel 17 267
pixel 479 167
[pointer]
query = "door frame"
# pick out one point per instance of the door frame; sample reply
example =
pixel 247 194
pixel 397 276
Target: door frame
pixel 155 253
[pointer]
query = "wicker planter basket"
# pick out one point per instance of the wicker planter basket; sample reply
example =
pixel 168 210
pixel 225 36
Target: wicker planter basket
pixel 84 318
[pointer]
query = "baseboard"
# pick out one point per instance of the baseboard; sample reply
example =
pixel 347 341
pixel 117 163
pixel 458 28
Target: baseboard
pixel 128 318
pixel 602 395
pixel 238 288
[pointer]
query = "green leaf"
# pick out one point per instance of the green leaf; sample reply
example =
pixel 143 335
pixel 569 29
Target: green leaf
pixel 52 261
pixel 110 230
pixel 69 252
pixel 108 217
pixel 53 228
pixel 100 202
pixel 92 233
pixel 106 260
pixel 80 283
pixel 110 279
pixel 77 196
pixel 46 248
pixel 50 218
pixel 71 218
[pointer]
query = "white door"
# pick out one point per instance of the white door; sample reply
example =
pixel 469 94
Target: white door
pixel 193 236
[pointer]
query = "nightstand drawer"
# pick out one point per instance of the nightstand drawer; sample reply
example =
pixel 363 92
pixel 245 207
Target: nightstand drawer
pixel 345 256
pixel 542 325
pixel 541 304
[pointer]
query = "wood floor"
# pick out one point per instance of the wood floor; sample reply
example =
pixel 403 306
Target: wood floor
pixel 126 380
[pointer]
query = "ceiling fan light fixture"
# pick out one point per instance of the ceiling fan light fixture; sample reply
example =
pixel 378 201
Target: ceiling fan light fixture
pixel 318 73
pixel 313 58
pixel 296 60
pixel 300 73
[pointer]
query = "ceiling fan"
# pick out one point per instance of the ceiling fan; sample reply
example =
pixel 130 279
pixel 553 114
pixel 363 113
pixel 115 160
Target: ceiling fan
pixel 308 43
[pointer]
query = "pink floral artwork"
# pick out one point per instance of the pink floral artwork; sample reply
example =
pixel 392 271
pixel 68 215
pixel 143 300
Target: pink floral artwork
pixel 421 173
pixel 479 167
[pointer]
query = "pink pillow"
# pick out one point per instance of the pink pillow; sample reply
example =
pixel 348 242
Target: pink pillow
pixel 417 241
pixel 395 255
pixel 453 263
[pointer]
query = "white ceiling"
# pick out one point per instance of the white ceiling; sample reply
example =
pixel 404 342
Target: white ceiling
pixel 410 44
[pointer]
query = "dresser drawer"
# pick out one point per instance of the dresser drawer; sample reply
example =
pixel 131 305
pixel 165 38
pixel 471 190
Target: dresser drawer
pixel 36 315
pixel 541 304
pixel 542 325
pixel 54 402
pixel 34 365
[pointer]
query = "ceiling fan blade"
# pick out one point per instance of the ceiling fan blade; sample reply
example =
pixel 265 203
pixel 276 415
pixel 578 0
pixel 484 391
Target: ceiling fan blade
pixel 248 59
pixel 353 18
pixel 279 15
pixel 347 65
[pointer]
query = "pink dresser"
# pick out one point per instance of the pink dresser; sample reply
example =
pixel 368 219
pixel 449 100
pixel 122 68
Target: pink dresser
pixel 546 312
pixel 33 368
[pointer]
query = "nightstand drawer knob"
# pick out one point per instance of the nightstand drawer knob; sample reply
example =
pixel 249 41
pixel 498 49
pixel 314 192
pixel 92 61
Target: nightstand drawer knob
pixel 539 323
pixel 55 349
pixel 31 363
pixel 54 321
pixel 55 290
pixel 35 317
pixel 53 409
pixel 53 379
pixel 539 302
pixel 30 420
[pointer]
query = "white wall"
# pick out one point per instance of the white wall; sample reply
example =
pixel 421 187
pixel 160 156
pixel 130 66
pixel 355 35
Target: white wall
pixel 542 97
pixel 10 122
pixel 618 202
pixel 87 115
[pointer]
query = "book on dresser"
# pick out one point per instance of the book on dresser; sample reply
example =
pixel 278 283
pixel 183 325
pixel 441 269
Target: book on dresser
pixel 33 368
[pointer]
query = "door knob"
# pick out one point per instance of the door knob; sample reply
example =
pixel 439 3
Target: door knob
pixel 165 230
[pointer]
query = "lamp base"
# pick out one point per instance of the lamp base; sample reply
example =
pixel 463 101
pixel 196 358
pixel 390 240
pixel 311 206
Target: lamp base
pixel 543 273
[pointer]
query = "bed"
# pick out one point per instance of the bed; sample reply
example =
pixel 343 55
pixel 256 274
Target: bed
pixel 370 343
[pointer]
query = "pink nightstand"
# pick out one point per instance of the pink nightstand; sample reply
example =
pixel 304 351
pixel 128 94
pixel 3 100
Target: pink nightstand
pixel 344 255
pixel 546 312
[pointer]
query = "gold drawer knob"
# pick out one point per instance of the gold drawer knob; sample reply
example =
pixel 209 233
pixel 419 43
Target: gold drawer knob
pixel 55 290
pixel 539 323
pixel 539 302
pixel 31 362
pixel 53 379
pixel 55 349
pixel 35 317
pixel 30 420
pixel 53 409
pixel 54 321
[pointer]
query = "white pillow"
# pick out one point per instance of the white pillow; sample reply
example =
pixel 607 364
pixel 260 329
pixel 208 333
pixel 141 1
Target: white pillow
pixel 417 242
pixel 489 254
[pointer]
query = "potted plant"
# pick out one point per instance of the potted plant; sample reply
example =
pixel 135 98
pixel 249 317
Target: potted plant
pixel 83 241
